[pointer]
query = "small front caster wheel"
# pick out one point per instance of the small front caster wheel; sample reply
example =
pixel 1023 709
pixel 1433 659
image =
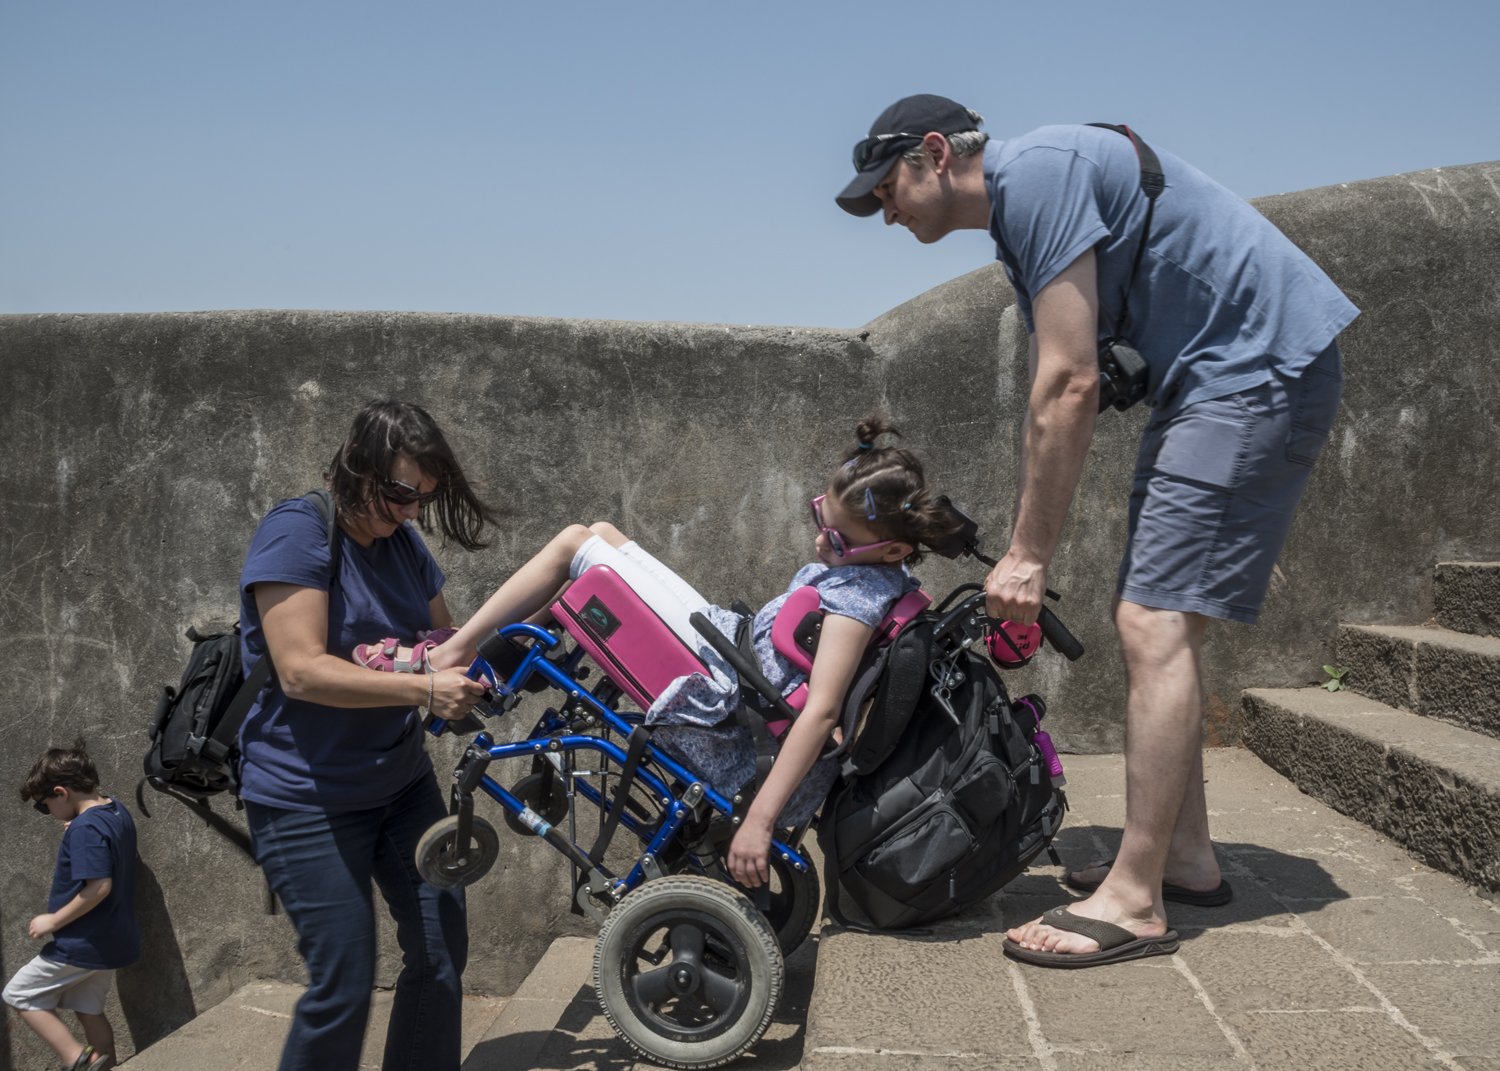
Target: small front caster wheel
pixel 443 862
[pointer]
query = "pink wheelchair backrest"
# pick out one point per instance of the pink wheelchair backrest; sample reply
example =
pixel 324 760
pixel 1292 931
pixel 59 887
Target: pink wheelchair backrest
pixel 794 632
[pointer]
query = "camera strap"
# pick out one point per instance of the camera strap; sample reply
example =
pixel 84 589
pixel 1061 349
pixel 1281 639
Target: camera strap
pixel 1153 181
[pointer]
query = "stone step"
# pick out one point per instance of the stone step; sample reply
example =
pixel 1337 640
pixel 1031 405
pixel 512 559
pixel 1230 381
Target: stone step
pixel 1467 595
pixel 245 1031
pixel 1432 787
pixel 1435 672
pixel 1339 950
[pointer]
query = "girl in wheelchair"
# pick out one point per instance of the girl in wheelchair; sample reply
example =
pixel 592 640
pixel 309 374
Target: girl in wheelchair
pixel 870 524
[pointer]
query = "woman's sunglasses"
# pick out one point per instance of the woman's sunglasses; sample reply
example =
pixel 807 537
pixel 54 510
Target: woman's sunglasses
pixel 404 494
pixel 836 540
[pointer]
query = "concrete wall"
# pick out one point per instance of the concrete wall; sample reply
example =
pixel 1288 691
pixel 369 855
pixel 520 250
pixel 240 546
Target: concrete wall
pixel 144 449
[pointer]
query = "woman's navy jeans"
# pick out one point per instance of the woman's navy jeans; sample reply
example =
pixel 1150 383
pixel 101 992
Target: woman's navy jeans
pixel 323 868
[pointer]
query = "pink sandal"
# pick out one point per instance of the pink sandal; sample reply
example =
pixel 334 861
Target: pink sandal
pixel 389 656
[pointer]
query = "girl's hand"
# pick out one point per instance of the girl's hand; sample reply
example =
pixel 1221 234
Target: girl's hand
pixel 748 853
pixel 453 694
pixel 42 926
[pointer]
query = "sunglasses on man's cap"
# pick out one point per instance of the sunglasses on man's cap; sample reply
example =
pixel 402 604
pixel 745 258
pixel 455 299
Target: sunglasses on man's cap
pixel 896 130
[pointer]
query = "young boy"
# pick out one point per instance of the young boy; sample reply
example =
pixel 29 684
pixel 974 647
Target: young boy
pixel 90 914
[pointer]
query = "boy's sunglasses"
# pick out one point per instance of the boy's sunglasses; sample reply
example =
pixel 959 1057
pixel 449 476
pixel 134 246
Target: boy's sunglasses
pixel 41 804
pixel 879 146
pixel 836 540
pixel 404 494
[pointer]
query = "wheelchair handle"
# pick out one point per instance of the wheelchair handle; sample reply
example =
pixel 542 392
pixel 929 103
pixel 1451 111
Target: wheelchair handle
pixel 1053 629
pixel 747 673
pixel 1058 635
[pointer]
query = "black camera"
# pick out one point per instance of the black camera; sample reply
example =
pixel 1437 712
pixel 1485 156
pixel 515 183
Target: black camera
pixel 1122 375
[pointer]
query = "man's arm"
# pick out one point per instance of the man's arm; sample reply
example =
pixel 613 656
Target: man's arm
pixel 1060 414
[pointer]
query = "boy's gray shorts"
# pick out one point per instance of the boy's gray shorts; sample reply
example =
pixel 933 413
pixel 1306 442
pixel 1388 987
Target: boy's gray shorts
pixel 1216 483
pixel 46 985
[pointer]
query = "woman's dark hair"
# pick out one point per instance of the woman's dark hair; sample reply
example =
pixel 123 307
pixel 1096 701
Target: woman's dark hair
pixel 69 767
pixel 384 431
pixel 890 479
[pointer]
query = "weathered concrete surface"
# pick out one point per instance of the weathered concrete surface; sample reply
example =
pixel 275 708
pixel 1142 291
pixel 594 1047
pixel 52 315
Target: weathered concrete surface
pixel 1435 672
pixel 1432 787
pixel 145 448
pixel 1468 597
pixel 1339 950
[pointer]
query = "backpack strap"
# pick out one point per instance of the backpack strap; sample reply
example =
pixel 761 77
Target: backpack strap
pixel 217 745
pixel 323 500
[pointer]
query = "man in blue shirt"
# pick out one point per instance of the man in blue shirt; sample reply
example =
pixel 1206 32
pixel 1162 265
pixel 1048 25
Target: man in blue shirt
pixel 1236 326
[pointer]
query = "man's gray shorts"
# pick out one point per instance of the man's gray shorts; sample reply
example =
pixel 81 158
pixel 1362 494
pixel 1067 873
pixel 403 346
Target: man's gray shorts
pixel 46 985
pixel 1216 483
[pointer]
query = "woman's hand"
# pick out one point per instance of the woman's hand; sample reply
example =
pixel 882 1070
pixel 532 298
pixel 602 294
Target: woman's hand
pixel 749 852
pixel 453 694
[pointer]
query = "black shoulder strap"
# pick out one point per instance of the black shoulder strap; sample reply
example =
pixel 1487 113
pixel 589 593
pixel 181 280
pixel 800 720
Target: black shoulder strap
pixel 323 500
pixel 222 739
pixel 1153 181
pixel 216 746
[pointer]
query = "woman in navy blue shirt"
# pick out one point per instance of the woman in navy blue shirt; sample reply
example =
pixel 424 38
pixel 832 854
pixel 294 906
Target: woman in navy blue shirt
pixel 337 785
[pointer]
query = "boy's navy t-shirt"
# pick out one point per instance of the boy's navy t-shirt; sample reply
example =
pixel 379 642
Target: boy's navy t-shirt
pixel 308 757
pixel 1223 300
pixel 99 843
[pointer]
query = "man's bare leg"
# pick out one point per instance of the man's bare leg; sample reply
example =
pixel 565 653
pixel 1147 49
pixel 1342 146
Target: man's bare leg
pixel 1163 753
pixel 1191 863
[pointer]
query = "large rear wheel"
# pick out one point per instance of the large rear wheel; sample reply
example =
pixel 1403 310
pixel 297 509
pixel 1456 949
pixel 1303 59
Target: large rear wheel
pixel 687 971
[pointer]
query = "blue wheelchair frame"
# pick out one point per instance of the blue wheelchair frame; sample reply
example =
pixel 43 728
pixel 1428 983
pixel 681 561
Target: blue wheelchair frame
pixel 551 736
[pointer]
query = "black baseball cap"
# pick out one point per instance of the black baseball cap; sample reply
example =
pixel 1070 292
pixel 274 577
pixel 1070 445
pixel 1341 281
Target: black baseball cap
pixel 897 130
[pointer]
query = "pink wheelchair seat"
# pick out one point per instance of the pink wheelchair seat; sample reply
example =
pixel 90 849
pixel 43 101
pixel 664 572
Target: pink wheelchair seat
pixel 623 635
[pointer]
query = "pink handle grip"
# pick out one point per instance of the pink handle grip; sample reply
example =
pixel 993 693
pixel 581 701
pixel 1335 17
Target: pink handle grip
pixel 1013 645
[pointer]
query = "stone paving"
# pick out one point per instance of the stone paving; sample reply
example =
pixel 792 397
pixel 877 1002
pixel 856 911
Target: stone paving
pixel 1339 951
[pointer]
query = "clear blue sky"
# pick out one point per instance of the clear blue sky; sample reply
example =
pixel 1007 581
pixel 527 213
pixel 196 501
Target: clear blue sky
pixel 643 161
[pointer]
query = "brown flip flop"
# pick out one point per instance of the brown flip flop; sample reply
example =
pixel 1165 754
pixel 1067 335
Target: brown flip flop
pixel 1216 897
pixel 1116 944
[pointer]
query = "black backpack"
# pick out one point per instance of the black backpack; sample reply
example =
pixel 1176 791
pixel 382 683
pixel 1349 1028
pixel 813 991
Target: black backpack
pixel 944 796
pixel 193 752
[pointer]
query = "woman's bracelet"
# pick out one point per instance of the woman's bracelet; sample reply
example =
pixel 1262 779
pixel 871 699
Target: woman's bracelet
pixel 429 693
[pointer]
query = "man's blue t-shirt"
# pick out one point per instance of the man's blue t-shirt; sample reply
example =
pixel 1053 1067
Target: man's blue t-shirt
pixel 99 843
pixel 308 757
pixel 1223 300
